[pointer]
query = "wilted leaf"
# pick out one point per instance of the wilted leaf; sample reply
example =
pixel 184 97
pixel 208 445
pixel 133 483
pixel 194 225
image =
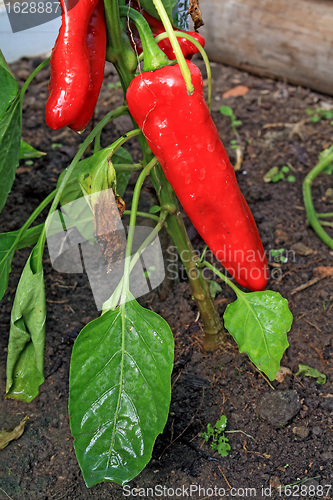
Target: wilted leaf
pixel 84 167
pixel 7 436
pixel 237 91
pixel 323 271
pixel 282 373
pixel 25 361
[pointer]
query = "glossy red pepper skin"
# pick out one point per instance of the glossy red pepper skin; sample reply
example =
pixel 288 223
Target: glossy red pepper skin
pixel 184 138
pixel 96 41
pixel 188 48
pixel 76 70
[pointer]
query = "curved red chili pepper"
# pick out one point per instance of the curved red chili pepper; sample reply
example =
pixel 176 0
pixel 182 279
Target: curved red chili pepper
pixel 77 65
pixel 184 138
pixel 96 41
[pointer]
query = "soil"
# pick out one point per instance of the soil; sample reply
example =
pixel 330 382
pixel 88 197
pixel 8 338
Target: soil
pixel 275 131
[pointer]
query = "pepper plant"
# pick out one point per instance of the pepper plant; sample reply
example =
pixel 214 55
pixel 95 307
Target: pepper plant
pixel 119 386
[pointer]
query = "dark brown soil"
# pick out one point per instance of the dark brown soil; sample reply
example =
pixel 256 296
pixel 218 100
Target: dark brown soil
pixel 275 131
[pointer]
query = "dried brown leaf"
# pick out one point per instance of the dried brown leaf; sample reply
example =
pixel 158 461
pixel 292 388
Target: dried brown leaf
pixel 237 91
pixel 7 436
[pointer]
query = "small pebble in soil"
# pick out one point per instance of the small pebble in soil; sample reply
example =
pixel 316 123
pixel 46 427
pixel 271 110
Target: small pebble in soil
pixel 275 482
pixel 327 403
pixel 279 407
pixel 327 456
pixel 317 431
pixel 301 432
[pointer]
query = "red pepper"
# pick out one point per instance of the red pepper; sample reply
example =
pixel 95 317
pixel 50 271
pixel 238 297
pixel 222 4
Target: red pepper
pixel 184 138
pixel 187 47
pixel 77 65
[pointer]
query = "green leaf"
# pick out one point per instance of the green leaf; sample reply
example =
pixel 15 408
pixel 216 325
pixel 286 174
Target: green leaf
pixel 8 85
pixel 214 288
pixel 223 447
pixel 122 156
pixel 10 137
pixel 9 243
pixel 84 167
pixel 271 174
pixel 221 424
pixel 148 6
pixel 258 322
pixel 237 123
pixel 25 361
pixel 226 111
pixel 307 371
pixel 155 209
pixel 119 392
pixel 27 151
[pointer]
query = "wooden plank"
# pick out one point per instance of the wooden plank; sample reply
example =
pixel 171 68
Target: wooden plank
pixel 288 39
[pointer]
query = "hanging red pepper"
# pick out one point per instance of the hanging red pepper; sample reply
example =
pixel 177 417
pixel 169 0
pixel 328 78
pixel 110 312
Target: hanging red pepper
pixel 188 48
pixel 77 65
pixel 184 138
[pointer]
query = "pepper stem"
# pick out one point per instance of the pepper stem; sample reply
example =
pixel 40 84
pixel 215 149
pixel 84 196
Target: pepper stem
pixel 182 34
pixel 175 45
pixel 154 57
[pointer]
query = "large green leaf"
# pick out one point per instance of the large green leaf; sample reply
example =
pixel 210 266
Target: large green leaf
pixel 9 243
pixel 10 137
pixel 8 85
pixel 148 6
pixel 119 392
pixel 25 361
pixel 259 322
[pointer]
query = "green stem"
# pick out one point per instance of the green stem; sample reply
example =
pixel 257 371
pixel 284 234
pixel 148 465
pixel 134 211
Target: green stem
pixel 97 142
pixel 114 299
pixel 326 223
pixel 33 217
pixel 175 45
pixel 58 192
pixel 107 118
pixel 329 214
pixel 154 56
pixel 212 324
pixel 143 214
pixel 308 202
pixel 122 167
pixel 226 280
pixel 32 76
pixel 134 208
pixel 180 34
pixel 119 50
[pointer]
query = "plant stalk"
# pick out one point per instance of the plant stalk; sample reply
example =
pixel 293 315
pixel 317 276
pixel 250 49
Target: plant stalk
pixel 214 332
pixel 175 45
pixel 308 202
